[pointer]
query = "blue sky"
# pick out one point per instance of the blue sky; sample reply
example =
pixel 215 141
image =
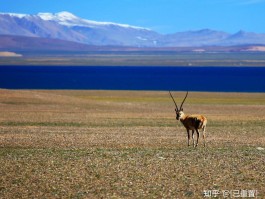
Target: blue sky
pixel 164 16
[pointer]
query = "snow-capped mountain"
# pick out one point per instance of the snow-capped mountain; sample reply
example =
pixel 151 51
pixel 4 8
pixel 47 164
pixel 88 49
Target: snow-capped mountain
pixel 67 26
pixel 68 19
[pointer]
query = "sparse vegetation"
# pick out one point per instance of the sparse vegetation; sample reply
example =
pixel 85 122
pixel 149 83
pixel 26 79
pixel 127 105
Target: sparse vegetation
pixel 127 144
pixel 137 57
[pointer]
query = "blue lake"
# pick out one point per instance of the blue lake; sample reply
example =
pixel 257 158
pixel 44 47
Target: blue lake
pixel 226 79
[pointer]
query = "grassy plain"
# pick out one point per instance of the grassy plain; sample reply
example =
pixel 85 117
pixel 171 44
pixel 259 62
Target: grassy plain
pixel 127 144
pixel 137 58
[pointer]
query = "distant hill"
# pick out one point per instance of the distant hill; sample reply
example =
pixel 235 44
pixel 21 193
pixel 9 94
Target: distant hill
pixel 22 43
pixel 66 26
pixel 36 44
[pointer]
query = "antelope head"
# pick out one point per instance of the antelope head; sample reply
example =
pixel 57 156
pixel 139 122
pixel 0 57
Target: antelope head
pixel 179 111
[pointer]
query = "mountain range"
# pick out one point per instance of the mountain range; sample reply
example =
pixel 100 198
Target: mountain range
pixel 66 26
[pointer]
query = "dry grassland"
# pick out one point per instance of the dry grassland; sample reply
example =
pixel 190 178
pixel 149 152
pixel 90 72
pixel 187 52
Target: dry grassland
pixel 127 144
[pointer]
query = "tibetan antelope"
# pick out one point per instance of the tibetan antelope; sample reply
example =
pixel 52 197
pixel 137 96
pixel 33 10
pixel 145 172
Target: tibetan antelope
pixel 191 122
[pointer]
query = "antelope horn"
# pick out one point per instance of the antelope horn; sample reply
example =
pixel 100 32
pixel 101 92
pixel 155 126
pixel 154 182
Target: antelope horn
pixel 173 100
pixel 184 99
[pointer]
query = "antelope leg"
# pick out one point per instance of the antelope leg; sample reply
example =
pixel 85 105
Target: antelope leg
pixel 198 136
pixel 188 133
pixel 193 138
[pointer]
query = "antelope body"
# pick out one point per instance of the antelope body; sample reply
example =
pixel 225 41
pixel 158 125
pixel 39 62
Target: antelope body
pixel 191 122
